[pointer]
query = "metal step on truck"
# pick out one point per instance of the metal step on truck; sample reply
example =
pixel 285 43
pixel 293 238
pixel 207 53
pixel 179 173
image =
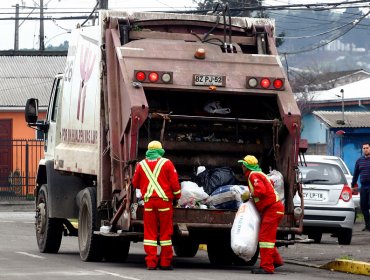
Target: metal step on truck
pixel 142 76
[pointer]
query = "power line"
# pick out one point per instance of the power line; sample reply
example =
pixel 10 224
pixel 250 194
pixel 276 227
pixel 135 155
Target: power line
pixel 355 23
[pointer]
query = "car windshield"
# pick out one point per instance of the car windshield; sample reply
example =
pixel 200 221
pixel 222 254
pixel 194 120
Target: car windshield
pixel 322 174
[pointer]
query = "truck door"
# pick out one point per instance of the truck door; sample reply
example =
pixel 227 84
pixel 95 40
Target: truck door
pixel 51 118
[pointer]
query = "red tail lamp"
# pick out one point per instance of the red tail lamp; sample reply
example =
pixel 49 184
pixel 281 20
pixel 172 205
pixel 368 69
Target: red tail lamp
pixel 153 77
pixel 278 84
pixel 346 193
pixel 265 83
pixel 156 77
pixel 140 76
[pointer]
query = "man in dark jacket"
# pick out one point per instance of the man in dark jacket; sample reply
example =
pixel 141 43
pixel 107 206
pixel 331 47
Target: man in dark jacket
pixel 362 170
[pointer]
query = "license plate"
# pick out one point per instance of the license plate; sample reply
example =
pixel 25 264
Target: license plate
pixel 317 196
pixel 209 80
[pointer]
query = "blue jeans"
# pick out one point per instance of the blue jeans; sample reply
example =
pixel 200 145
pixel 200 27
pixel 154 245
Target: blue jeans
pixel 365 203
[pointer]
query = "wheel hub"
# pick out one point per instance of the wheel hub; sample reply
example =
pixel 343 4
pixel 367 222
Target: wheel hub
pixel 40 218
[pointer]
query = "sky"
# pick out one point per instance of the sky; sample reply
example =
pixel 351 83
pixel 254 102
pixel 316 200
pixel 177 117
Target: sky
pixel 56 31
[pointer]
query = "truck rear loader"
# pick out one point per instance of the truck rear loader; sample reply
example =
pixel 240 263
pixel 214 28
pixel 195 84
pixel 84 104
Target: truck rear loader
pixel 211 88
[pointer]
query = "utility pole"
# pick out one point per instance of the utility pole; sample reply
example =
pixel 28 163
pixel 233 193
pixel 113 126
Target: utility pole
pixel 16 30
pixel 342 92
pixel 342 120
pixel 42 36
pixel 103 4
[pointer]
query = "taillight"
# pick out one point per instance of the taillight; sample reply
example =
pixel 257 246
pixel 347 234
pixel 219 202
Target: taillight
pixel 153 77
pixel 278 83
pixel 156 77
pixel 265 83
pixel 346 193
pixel 140 76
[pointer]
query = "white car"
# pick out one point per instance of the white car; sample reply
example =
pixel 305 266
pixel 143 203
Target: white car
pixel 342 164
pixel 328 203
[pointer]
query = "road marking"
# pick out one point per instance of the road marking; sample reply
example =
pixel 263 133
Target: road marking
pixel 30 255
pixel 117 275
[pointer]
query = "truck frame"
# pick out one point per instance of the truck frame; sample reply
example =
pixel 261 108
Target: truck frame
pixel 137 77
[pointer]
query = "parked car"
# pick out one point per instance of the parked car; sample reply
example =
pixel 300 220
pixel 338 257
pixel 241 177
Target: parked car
pixel 328 203
pixel 343 166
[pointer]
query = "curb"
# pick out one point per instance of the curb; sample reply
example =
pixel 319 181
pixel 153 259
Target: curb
pixel 349 266
pixel 17 205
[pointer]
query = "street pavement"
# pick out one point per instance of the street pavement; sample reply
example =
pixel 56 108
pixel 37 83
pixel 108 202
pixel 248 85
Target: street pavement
pixel 316 255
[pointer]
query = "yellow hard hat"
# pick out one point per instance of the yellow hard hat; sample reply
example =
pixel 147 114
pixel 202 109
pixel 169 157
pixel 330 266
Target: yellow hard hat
pixel 250 162
pixel 154 145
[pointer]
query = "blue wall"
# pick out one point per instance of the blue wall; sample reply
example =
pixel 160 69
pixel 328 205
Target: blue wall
pixel 313 130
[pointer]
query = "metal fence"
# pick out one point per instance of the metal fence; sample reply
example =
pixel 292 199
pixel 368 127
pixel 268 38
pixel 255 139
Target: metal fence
pixel 18 168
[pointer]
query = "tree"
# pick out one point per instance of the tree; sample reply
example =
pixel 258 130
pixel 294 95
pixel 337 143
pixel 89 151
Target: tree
pixel 210 4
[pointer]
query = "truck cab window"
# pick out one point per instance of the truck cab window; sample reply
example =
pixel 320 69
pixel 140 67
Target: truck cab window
pixel 53 109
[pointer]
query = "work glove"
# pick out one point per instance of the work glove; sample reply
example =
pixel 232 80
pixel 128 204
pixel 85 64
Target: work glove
pixel 175 202
pixel 245 196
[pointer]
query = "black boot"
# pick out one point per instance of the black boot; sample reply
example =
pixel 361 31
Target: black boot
pixel 260 271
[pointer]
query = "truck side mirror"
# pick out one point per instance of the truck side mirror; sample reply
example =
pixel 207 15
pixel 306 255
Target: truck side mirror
pixel 32 110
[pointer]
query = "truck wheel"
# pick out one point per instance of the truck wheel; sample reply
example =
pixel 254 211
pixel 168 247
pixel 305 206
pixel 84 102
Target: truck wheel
pixel 48 230
pixel 345 236
pixel 186 249
pixel 251 262
pixel 116 250
pixel 220 253
pixel 90 245
pixel 316 236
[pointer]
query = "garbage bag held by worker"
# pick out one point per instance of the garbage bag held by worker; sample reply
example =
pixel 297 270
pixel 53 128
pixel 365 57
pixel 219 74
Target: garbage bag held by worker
pixel 244 232
pixel 226 197
pixel 211 179
pixel 278 180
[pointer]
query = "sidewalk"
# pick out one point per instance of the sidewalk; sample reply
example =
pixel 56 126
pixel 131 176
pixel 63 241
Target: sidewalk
pixel 354 258
pixel 17 205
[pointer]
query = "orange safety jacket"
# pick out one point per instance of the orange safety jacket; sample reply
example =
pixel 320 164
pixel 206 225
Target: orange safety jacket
pixel 264 194
pixel 157 179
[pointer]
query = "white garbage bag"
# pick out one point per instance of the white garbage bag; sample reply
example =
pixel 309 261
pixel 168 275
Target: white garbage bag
pixel 278 180
pixel 191 194
pixel 244 232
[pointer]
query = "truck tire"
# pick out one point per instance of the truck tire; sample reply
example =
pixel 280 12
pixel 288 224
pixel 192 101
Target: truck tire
pixel 116 250
pixel 186 248
pixel 90 245
pixel 48 230
pixel 220 253
pixel 345 236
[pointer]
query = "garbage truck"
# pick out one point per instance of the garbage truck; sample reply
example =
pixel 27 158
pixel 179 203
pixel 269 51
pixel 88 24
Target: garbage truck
pixel 210 87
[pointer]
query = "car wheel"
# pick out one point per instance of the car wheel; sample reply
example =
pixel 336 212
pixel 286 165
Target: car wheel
pixel 345 236
pixel 316 236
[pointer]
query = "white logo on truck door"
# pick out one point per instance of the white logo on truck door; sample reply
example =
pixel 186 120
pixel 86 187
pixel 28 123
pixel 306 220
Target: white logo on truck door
pixel 86 67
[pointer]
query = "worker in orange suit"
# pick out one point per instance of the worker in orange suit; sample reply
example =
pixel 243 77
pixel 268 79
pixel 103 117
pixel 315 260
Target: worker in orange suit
pixel 271 210
pixel 157 179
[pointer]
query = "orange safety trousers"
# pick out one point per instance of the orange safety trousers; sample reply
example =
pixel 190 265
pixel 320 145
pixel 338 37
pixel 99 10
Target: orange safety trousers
pixel 158 223
pixel 267 237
